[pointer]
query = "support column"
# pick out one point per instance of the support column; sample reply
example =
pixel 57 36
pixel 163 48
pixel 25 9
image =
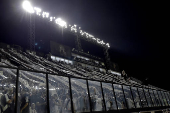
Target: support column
pixel 115 96
pixel 16 91
pixel 107 57
pixel 31 35
pixel 89 95
pixel 78 43
pixel 71 97
pixel 103 96
pixel 47 86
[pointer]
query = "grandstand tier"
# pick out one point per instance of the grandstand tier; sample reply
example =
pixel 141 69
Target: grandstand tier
pixel 30 83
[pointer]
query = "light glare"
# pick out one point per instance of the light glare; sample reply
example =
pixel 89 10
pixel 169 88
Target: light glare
pixel 37 10
pixel 98 40
pixel 51 18
pixel 107 45
pixel 60 22
pixel 28 7
pixel 47 15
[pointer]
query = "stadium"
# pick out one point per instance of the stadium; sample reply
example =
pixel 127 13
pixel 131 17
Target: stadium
pixel 69 80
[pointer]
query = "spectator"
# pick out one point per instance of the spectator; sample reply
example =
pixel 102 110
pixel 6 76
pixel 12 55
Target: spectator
pixel 24 103
pixel 67 104
pixel 55 104
pixel 41 103
pixel 7 101
pixel 32 108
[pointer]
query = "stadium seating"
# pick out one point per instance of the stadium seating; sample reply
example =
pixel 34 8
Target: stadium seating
pixel 28 60
pixel 32 78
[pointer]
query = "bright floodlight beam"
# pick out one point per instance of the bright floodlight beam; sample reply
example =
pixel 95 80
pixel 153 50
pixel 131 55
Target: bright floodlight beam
pixel 37 10
pixel 60 22
pixel 47 15
pixel 28 7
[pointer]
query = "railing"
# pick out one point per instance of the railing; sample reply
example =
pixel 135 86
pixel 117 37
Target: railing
pixel 22 90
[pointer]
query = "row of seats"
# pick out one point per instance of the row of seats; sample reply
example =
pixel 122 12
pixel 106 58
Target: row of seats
pixel 90 62
pixel 28 60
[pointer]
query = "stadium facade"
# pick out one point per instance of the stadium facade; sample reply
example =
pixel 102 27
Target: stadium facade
pixel 70 81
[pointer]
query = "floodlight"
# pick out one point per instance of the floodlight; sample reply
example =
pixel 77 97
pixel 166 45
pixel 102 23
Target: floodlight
pixel 60 22
pixel 98 41
pixel 74 29
pixel 43 14
pixel 107 45
pixel 91 36
pixel 51 18
pixel 38 10
pixel 102 42
pixel 47 15
pixel 27 6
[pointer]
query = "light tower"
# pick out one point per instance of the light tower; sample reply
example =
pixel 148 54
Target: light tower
pixel 79 34
pixel 31 28
pixel 31 24
pixel 107 57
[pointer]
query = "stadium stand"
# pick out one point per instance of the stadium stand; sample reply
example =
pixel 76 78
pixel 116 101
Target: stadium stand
pixel 74 85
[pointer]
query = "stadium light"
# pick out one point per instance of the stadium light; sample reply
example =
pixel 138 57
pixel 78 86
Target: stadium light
pixel 47 15
pixel 98 40
pixel 28 7
pixel 43 14
pixel 60 22
pixel 37 10
pixel 94 38
pixel 51 18
pixel 102 42
pixel 108 45
pixel 91 36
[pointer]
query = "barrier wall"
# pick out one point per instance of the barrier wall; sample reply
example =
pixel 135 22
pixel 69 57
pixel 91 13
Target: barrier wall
pixel 24 91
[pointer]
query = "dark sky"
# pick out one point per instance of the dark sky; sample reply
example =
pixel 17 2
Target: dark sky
pixel 135 30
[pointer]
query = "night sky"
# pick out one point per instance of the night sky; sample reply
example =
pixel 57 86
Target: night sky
pixel 135 30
